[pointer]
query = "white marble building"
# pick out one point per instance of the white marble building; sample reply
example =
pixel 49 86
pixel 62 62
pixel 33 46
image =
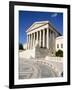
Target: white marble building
pixel 43 33
pixel 41 39
pixel 59 43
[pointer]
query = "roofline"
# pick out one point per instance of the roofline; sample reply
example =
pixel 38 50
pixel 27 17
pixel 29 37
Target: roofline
pixel 37 27
pixel 60 37
pixel 55 29
pixel 47 22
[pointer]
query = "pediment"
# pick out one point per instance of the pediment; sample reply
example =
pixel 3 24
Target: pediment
pixel 36 25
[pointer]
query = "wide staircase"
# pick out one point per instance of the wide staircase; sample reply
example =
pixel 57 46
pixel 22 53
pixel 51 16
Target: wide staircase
pixel 27 53
pixel 41 52
pixel 36 52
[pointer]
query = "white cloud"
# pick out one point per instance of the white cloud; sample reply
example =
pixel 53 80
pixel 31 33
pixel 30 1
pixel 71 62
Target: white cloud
pixel 54 15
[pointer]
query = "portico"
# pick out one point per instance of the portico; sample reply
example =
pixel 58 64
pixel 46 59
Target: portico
pixel 43 34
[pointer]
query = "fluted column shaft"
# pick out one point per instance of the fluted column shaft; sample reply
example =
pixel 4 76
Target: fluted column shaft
pixel 40 39
pixel 43 38
pixel 29 42
pixel 47 38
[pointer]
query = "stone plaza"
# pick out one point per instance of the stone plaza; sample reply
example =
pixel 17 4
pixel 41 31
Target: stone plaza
pixel 39 68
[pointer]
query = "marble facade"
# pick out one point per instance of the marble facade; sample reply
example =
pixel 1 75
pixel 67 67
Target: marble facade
pixel 42 33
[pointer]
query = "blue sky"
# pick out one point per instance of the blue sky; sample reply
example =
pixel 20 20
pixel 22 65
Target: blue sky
pixel 27 18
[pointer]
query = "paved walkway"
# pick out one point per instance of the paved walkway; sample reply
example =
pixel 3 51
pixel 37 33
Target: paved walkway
pixel 30 68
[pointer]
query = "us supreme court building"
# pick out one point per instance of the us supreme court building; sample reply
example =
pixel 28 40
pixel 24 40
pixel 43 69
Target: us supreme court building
pixel 42 33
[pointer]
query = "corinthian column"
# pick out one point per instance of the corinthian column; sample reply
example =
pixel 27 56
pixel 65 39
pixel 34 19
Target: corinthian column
pixel 47 38
pixel 40 39
pixel 27 40
pixel 34 40
pixel 37 36
pixel 43 38
pixel 30 41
